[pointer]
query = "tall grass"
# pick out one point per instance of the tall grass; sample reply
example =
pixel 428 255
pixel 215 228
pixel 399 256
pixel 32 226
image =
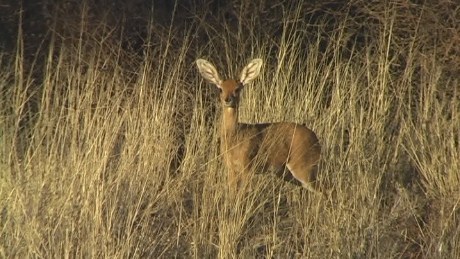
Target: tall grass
pixel 99 162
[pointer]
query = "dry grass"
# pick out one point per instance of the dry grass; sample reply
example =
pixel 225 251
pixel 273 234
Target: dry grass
pixel 103 161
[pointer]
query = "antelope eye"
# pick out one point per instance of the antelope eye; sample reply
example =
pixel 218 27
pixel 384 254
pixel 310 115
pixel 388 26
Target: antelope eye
pixel 238 88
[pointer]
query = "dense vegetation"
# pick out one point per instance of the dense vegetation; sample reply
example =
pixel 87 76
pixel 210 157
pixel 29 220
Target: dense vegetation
pixel 109 136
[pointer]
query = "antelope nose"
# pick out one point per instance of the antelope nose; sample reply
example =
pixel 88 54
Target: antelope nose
pixel 229 101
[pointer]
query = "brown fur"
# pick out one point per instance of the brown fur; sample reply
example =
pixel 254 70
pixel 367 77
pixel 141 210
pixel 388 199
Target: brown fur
pixel 270 145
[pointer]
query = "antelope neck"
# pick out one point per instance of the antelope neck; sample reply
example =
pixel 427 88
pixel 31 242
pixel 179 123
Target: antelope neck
pixel 230 120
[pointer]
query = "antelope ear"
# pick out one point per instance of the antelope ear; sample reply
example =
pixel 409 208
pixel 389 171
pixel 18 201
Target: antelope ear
pixel 209 72
pixel 251 71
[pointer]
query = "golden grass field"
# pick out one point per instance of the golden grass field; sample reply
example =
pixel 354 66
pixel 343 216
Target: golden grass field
pixel 110 154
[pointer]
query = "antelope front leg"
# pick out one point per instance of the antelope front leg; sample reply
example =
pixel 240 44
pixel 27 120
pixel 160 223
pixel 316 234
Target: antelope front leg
pixel 237 181
pixel 232 181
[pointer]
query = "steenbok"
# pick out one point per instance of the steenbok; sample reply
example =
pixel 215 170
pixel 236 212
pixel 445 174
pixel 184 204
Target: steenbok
pixel 268 145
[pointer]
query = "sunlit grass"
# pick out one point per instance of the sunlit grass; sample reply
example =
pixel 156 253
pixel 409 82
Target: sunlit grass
pixel 111 164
